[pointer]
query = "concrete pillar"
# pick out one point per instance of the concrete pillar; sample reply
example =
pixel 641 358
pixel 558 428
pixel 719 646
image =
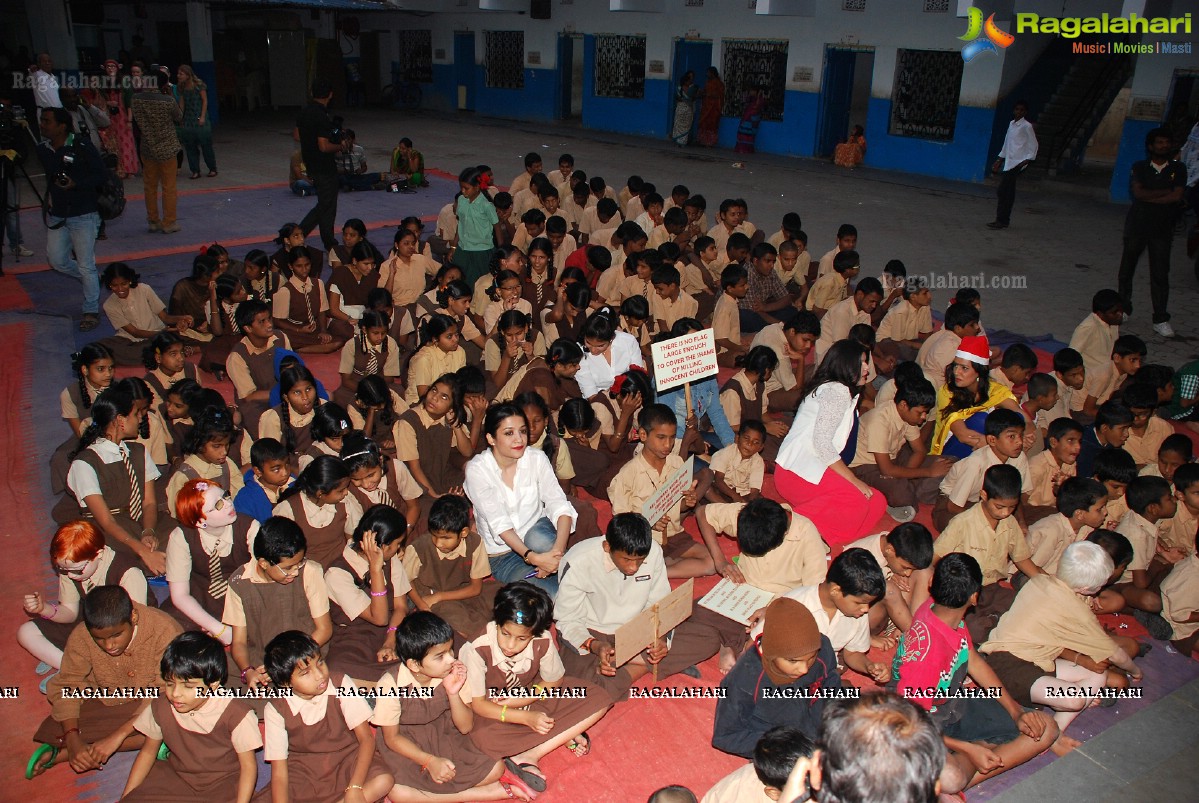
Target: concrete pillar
pixel 50 30
pixel 199 31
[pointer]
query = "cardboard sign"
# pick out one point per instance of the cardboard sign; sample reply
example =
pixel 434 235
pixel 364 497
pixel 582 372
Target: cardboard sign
pixel 737 601
pixel 669 493
pixel 655 621
pixel 684 359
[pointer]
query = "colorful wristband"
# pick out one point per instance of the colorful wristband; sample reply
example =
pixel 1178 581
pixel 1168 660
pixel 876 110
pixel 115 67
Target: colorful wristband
pixel 382 593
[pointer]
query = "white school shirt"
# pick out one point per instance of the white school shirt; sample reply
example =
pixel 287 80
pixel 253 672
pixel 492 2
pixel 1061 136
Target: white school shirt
pixel 1020 144
pixel 843 632
pixel 593 594
pixel 596 374
pixel 535 494
pixel 83 482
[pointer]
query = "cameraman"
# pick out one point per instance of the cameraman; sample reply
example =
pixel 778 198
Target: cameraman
pixel 74 175
pixel 319 141
pixel 12 138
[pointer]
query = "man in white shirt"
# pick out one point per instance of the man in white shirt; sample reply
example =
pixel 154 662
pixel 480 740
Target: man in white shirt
pixel 1019 150
pixel 45 85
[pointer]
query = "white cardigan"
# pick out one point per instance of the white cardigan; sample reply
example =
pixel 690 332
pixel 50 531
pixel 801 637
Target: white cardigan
pixel 818 434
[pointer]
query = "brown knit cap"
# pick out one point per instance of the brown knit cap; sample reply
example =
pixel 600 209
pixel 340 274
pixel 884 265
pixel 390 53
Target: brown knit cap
pixel 788 631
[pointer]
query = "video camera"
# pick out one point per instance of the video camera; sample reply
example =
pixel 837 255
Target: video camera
pixel 12 119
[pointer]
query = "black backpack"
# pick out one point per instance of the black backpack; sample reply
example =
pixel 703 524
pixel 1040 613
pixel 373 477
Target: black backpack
pixel 110 198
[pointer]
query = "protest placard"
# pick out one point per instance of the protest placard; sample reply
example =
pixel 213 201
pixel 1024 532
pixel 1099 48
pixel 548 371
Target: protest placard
pixel 737 601
pixel 684 359
pixel 669 493
pixel 654 622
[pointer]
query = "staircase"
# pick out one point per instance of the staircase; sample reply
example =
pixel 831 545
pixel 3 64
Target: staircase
pixel 1073 112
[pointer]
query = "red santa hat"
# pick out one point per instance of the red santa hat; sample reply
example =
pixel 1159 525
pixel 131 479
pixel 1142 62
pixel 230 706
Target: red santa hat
pixel 975 349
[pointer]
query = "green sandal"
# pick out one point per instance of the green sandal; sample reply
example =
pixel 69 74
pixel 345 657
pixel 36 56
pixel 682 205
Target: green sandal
pixel 36 765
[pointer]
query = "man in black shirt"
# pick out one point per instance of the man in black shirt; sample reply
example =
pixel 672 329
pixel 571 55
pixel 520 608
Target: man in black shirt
pixel 315 133
pixel 1156 185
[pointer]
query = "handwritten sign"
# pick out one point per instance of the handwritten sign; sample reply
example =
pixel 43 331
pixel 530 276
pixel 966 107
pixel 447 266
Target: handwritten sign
pixel 654 622
pixel 737 601
pixel 684 359
pixel 669 493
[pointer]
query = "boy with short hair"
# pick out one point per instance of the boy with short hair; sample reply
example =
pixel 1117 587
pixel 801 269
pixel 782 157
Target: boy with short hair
pixel 1180 603
pixel 962 486
pixel 1051 467
pixel 961 320
pixel 790 228
pixel 1019 361
pixel 738 469
pixel 833 286
pixel 910 321
pixel 1039 398
pixel 1115 469
pixel 1147 432
pixel 532 166
pixel 1095 336
pixel 651 218
pixel 731 219
pixel 117 645
pixel 668 303
pixel 1109 431
pixel 672 230
pixel 1081 506
pixel 1103 382
pixel 1176 540
pixel 726 318
pixel 791 341
pixel 1185 395
pixel 269 476
pixel 894 281
pixel 846 314
pixel 766 295
pixel 762 781
pixel 600 221
pixel 1176 450
pixel 847 240
pixel 792 265
pixel 935 656
pixel 904 555
pixel 884 431
pixel 989 533
pixel 1149 500
pixel 1069 374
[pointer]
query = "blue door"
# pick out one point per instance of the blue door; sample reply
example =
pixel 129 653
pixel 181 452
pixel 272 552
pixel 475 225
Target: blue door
pixel 464 70
pixel 689 54
pixel 836 95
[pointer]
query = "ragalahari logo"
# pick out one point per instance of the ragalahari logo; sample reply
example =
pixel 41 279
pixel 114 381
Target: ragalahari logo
pixel 983 36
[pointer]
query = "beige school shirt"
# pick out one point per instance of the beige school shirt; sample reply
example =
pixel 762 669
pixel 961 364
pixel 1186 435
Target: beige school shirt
pixel 1065 403
pixel 1116 510
pixel 739 474
pixel 1094 339
pixel 206 470
pixel 480 566
pixel 837 322
pixel 269 425
pixel 783 377
pixel 827 291
pixel 1043 469
pixel 405 436
pixel 1179 531
pixel 1180 597
pixel 661 309
pixel 798 273
pixel 245 737
pixel 936 353
pixel 608 286
pixel 843 632
pixel 905 321
pixel 826 261
pixel 281 300
pixel 353 709
pixel 636 483
pixel 801 560
pixel 348 595
pixel 739 786
pixel 239 372
pixel 140 310
pixel 1101 382
pixel 1143 448
pixel 1143 537
pixel 726 321
pixel 964 482
pixel 1047 617
pixel 731 402
pixel 720 233
pixel 427 365
pixel 389 359
pixel 874 545
pixel 992 547
pixel 881 430
pixel 1049 537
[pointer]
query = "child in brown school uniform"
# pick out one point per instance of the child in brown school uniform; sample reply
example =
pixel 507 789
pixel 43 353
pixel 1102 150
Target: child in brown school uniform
pixel 512 668
pixel 738 469
pixel 376 479
pixel 368 591
pixel 301 307
pixel 206 451
pixel 431 435
pixel 1150 499
pixel 212 738
pixel 370 352
pixel 279 589
pixel 222 323
pixel 349 286
pixel 318 739
pixel 165 364
pixel 743 397
pixel 1049 469
pixel 424 716
pixel 329 428
pixel 320 502
pixel 251 362
pixel 118 646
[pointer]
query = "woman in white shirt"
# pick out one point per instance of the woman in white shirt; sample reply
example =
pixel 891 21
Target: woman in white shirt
pixel 521 513
pixel 809 472
pixel 607 353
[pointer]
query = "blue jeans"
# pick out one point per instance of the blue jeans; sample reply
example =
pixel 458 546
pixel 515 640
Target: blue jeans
pixel 508 567
pixel 78 234
pixel 705 400
pixel 302 187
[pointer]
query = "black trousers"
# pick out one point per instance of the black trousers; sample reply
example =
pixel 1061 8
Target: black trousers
pixel 324 214
pixel 1158 244
pixel 1007 195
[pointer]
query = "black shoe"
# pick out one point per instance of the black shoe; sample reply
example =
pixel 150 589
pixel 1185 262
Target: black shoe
pixel 995 224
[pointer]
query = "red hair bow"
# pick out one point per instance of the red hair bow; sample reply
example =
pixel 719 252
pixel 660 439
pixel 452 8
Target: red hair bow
pixel 621 380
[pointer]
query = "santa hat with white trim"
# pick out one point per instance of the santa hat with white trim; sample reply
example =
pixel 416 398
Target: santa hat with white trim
pixel 975 349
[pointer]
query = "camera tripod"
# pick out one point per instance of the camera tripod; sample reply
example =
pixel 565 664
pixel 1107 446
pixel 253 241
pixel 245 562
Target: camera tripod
pixel 11 170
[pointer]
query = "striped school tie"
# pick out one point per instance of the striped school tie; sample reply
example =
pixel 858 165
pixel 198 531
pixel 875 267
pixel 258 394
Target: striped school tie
pixel 372 362
pixel 135 486
pixel 217 585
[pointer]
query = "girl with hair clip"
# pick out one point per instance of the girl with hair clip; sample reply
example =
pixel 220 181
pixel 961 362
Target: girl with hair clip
pixel 260 278
pixel 478 227
pixel 136 312
pixel 290 422
pixel 581 434
pixel 455 300
pixel 516 653
pixel 92 367
pixel 206 454
pixel 211 542
pixel 165 364
pixel 353 231
pixel 405 271
pixel 82 561
pixel 504 257
pixel 743 397
pixel 617 409
pixel 330 425
pixel 430 301
pixel 222 323
pixel 551 375
pixel 320 502
pixel 607 353
pixel 376 479
pixel 512 347
pixel 539 287
pixel 301 308
pixel 368 591
pixel 430 432
pixel 195 295
pixel 374 411
pixel 349 286
pixel 291 237
pixel 371 352
pixel 566 318
pixel 809 473
pixel 505 296
pixel 111 482
pixel 439 354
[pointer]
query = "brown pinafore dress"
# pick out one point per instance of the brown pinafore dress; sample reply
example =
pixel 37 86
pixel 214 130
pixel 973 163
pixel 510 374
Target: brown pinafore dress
pixel 161 389
pixel 352 292
pixel 321 757
pixel 469 617
pixel 429 723
pixel 270 608
pixel 348 390
pixel 355 642
pixel 499 739
pixel 202 767
pixel 540 378
pixel 301 437
pixel 325 544
pixel 262 371
pixel 302 310
pixel 755 409
pixel 539 295
pixel 60 461
pixel 214 353
pixel 57 632
pixel 592 466
pixel 435 445
pixel 315 255
pixel 223 479
pixel 201 576
pixel 627 448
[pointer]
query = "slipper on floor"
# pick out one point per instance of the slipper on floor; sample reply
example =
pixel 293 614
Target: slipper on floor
pixel 529 779
pixel 510 779
pixel 89 322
